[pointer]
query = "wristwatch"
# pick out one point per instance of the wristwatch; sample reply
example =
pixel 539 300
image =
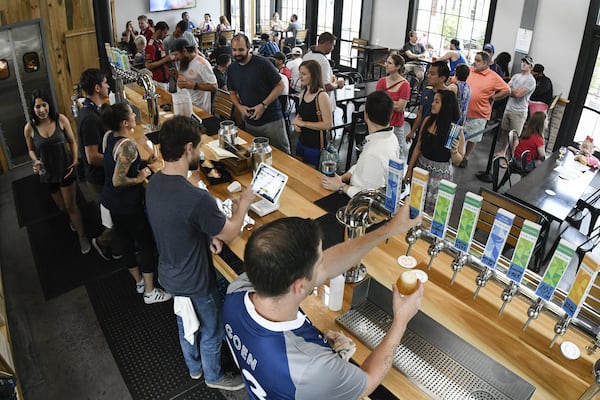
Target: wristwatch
pixel 196 86
pixel 264 104
pixel 341 188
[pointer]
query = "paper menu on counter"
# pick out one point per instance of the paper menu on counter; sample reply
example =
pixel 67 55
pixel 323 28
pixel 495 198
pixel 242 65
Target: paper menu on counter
pixel 394 185
pixel 468 221
pixel 443 208
pixel 523 251
pixel 418 191
pixel 588 270
pixel 497 239
pixel 556 269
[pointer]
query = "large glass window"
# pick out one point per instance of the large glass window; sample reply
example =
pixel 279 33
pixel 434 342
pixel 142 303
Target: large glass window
pixel 589 123
pixel 325 16
pixel 439 21
pixel 265 14
pixel 289 7
pixel 350 30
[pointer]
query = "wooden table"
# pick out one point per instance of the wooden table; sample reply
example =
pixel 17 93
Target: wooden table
pixel 476 321
pixel 536 188
pixel 369 50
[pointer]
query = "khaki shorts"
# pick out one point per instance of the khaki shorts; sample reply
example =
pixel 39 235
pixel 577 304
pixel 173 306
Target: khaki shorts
pixel 414 67
pixel 513 120
pixel 473 125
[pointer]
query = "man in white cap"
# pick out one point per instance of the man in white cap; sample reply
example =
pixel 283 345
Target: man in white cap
pixel 521 87
pixel 294 66
pixel 195 73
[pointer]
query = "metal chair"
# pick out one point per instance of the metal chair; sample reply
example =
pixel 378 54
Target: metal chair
pixel 357 52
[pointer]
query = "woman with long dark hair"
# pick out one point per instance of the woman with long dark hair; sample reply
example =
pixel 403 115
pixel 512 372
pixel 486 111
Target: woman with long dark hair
pixel 46 136
pixel 314 115
pixel 123 196
pixel 532 139
pixel 430 152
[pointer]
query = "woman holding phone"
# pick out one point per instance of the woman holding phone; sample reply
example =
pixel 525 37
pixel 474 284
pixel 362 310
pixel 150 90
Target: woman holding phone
pixel 46 136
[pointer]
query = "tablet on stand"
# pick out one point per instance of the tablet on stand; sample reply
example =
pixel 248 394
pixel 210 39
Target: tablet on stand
pixel 267 183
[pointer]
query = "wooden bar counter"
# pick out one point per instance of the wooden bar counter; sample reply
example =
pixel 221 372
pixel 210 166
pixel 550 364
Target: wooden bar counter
pixel 477 321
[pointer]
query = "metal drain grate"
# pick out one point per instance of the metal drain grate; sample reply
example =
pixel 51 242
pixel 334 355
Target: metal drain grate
pixel 434 371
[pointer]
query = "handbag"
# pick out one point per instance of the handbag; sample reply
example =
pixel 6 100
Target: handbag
pixel 329 152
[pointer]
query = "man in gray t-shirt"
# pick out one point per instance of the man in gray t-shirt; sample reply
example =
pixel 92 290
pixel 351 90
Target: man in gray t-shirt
pixel 189 227
pixel 521 87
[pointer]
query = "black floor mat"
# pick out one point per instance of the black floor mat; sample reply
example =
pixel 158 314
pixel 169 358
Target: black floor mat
pixel 61 266
pixel 333 202
pixel 33 201
pixel 144 342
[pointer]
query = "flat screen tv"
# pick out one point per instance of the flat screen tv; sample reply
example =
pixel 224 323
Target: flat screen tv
pixel 165 5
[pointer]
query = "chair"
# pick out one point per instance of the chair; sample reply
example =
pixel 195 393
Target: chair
pixel 358 46
pixel 514 166
pixel 357 130
pixel 492 201
pixel 301 39
pixel 228 34
pixel 551 115
pixel 222 105
pixel 207 40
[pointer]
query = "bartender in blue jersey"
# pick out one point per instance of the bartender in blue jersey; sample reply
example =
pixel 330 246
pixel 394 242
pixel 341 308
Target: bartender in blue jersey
pixel 280 353
pixel 454 56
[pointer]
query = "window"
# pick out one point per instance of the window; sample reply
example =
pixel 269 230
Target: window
pixel 589 122
pixel 265 15
pixel 350 29
pixel 4 69
pixel 289 7
pixel 240 16
pixel 325 16
pixel 439 21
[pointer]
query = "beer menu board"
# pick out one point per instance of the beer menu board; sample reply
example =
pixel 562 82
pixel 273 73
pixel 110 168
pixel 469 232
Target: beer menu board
pixel 523 251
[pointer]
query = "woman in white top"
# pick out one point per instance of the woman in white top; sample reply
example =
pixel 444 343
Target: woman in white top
pixel 207 25
pixel 276 24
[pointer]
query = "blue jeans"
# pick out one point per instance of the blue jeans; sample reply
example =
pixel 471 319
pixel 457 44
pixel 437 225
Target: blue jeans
pixel 205 354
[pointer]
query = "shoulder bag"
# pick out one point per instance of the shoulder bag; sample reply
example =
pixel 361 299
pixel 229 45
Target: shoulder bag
pixel 329 152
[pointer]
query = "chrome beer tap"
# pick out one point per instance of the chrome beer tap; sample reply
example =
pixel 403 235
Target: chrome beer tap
pixel 595 344
pixel 594 388
pixel 507 295
pixel 560 328
pixel 412 236
pixel 482 278
pixel 534 311
pixel 458 263
pixel 436 248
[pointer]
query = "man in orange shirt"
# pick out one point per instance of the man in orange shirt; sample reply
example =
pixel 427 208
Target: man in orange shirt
pixel 486 87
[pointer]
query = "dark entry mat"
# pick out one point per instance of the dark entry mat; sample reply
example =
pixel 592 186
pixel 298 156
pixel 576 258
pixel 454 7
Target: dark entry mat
pixel 33 201
pixel 61 266
pixel 144 341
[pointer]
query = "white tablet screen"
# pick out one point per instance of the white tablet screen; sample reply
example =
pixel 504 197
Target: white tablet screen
pixel 268 183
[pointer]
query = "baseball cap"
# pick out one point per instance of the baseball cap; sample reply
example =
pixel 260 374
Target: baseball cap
pixel 296 50
pixel 181 43
pixel 489 47
pixel 528 60
pixel 538 68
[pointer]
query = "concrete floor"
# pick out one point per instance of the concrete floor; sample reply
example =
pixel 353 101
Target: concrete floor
pixel 60 351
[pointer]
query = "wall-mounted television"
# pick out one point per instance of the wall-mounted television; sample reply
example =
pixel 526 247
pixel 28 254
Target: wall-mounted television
pixel 165 5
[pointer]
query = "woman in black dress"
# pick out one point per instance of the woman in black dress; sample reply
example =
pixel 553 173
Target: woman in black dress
pixel 46 136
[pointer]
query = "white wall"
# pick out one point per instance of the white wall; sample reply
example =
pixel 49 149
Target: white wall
pixel 556 39
pixel 126 10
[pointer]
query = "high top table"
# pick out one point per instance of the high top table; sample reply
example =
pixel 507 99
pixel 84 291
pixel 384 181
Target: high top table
pixel 476 321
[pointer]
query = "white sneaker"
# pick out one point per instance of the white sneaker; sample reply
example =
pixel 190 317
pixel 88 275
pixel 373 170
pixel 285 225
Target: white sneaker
pixel 197 376
pixel 229 381
pixel 85 245
pixel 140 286
pixel 156 296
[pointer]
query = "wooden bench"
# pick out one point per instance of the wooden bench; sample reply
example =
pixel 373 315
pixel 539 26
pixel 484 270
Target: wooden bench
pixel 492 201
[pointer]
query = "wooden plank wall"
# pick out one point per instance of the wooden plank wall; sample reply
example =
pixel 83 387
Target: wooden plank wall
pixel 59 17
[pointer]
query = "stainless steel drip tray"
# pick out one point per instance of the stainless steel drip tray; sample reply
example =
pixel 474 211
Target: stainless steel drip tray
pixel 442 364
